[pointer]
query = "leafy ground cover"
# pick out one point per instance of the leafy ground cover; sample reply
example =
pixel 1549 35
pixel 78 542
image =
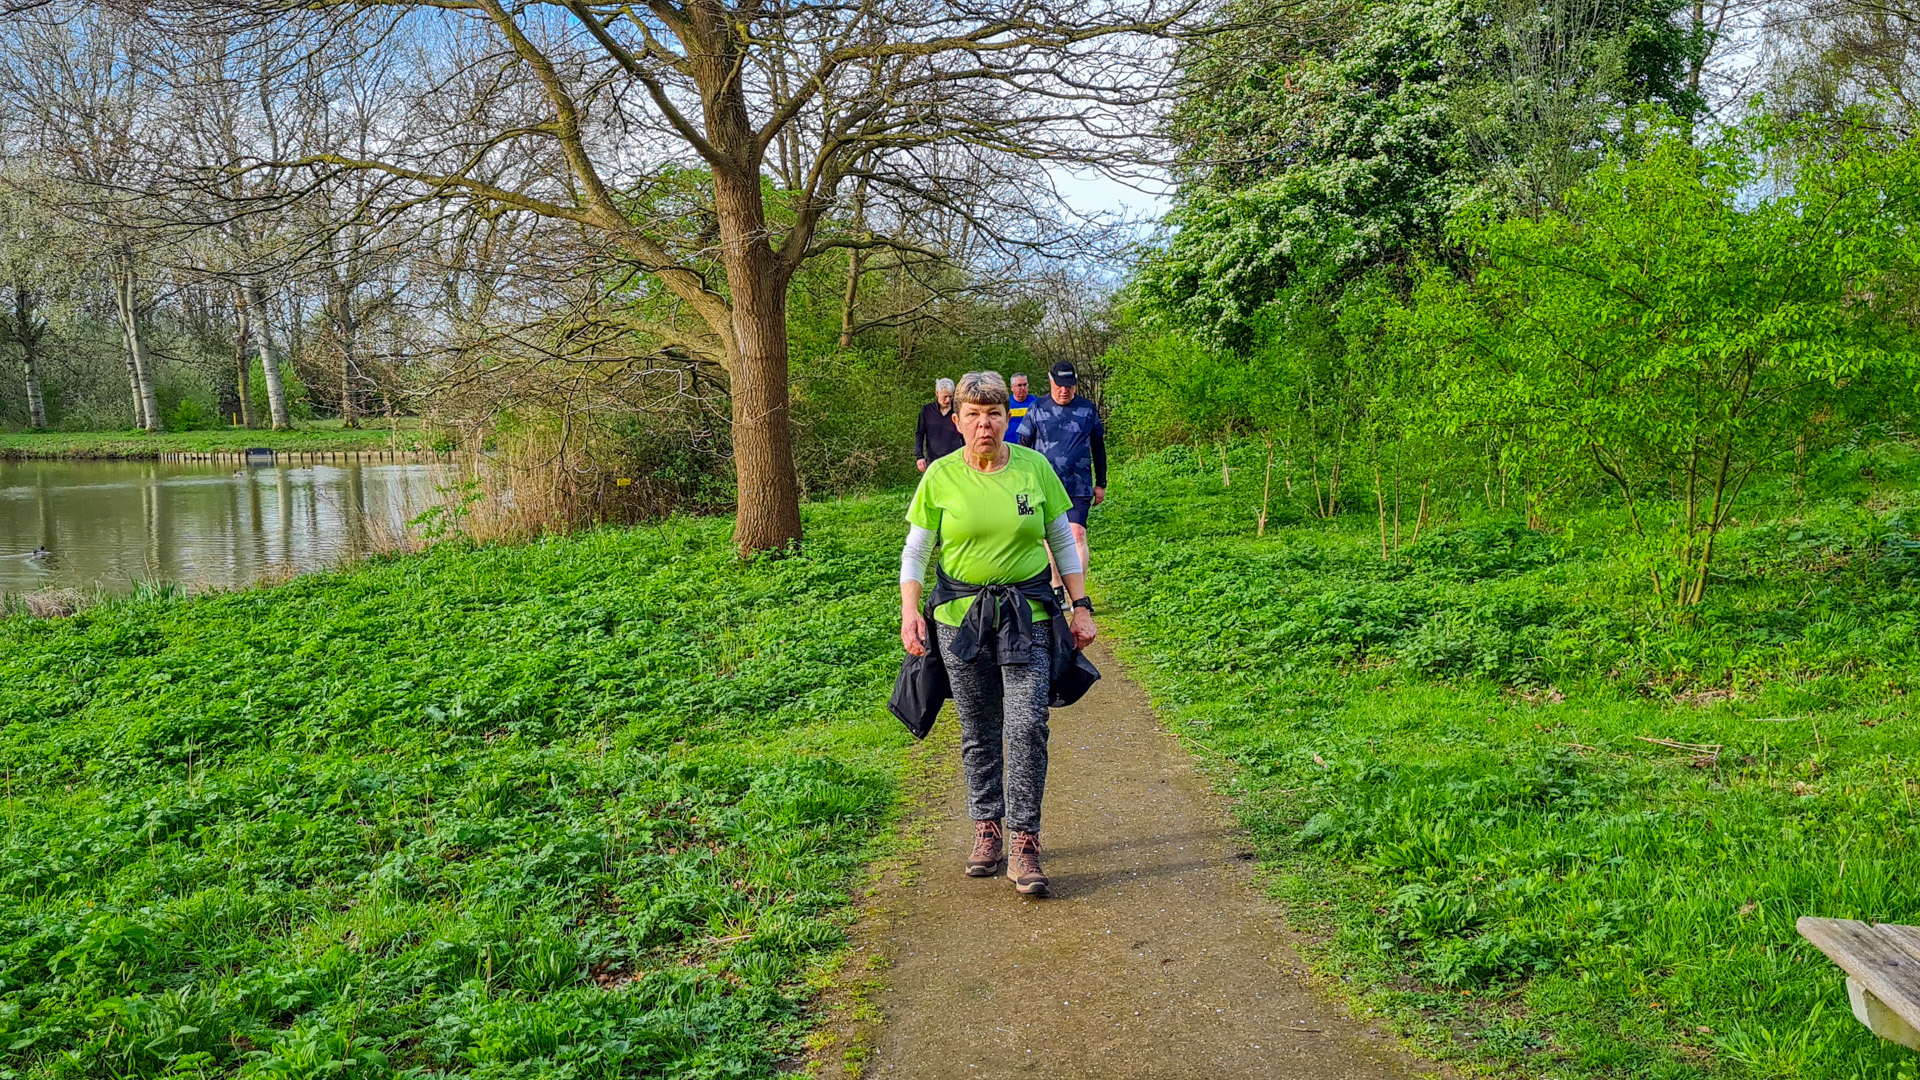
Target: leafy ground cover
pixel 1445 760
pixel 583 807
pixel 312 436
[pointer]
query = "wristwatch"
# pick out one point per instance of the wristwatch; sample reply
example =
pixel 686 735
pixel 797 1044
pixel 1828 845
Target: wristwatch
pixel 1085 602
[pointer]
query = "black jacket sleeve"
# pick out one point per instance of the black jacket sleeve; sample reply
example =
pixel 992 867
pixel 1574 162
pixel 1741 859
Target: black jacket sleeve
pixel 920 435
pixel 1098 441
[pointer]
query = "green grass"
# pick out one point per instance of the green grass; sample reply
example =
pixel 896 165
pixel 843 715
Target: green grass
pixel 1440 762
pixel 585 807
pixel 309 435
pixel 590 807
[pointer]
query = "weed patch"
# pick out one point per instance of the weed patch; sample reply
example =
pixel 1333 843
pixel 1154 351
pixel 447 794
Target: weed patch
pixel 1444 761
pixel 582 807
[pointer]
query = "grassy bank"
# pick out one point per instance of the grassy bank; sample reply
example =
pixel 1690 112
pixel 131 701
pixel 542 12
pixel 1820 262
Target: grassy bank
pixel 578 808
pixel 1444 761
pixel 309 436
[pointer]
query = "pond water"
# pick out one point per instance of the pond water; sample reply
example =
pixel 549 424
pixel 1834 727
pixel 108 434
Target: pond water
pixel 103 525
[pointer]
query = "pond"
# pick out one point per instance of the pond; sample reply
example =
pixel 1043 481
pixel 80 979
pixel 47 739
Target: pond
pixel 104 525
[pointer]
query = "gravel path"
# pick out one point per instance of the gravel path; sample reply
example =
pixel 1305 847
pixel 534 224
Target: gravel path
pixel 1153 960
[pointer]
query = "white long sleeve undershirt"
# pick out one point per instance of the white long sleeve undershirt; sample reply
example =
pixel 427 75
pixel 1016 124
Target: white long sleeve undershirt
pixel 918 552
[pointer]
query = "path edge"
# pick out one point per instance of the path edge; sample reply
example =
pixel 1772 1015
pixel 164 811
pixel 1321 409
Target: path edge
pixel 842 1018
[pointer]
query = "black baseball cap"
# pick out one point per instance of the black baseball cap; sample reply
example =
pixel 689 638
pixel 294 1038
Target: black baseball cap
pixel 1062 374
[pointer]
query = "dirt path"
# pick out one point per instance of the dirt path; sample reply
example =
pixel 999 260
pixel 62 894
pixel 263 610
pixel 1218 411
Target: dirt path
pixel 1154 960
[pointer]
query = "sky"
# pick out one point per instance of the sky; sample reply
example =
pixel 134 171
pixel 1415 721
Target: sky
pixel 1090 193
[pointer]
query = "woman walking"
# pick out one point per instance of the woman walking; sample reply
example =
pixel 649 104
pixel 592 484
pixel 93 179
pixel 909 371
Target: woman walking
pixel 994 508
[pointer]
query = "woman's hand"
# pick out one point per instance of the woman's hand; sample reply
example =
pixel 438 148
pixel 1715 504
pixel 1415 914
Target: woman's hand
pixel 913 632
pixel 1083 629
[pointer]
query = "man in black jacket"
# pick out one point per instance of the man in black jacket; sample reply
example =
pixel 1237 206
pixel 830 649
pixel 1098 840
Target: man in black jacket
pixel 936 436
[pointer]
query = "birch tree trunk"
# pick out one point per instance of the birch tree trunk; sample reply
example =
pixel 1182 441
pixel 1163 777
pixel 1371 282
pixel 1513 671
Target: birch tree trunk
pixel 269 364
pixel 243 359
pixel 36 403
pixel 126 355
pixel 133 380
pixel 28 334
pixel 139 371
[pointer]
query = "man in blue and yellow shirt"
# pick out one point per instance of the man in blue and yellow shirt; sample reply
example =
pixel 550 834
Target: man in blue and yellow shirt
pixel 1017 407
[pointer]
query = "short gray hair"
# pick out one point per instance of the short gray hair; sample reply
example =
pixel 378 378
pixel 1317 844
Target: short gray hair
pixel 982 388
pixel 1018 375
pixel 942 385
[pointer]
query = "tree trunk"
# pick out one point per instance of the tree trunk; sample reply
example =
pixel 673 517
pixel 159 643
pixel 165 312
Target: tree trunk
pixel 126 354
pixel 767 516
pixel 345 330
pixel 29 337
pixel 1396 506
pixel 1697 66
pixel 851 295
pixel 36 403
pixel 269 364
pixel 243 359
pixel 139 371
pixel 1380 498
pixel 133 378
pixel 768 513
pixel 1266 490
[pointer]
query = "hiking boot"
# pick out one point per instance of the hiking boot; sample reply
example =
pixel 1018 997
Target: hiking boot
pixel 985 860
pixel 1023 866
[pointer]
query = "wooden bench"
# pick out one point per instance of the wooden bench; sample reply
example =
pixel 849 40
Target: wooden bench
pixel 1882 962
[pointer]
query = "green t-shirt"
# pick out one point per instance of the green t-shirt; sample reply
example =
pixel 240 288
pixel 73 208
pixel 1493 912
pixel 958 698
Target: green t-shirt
pixel 992 526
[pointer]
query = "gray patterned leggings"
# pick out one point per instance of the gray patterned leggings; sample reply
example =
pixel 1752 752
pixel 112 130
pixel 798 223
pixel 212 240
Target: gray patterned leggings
pixel 1003 731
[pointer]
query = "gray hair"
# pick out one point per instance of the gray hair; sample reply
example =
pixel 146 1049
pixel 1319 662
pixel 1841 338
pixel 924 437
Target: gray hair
pixel 941 386
pixel 981 388
pixel 1019 375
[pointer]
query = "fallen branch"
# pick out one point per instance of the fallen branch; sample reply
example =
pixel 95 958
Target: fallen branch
pixel 1696 748
pixel 1704 754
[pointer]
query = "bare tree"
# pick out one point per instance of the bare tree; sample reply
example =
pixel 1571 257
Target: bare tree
pixel 26 247
pixel 228 113
pixel 1830 55
pixel 1560 78
pixel 82 91
pixel 778 103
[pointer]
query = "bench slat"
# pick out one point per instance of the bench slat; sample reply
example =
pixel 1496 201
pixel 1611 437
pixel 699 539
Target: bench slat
pixel 1906 937
pixel 1883 962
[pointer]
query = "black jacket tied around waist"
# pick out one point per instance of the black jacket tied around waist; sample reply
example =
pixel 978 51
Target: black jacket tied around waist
pixel 998 627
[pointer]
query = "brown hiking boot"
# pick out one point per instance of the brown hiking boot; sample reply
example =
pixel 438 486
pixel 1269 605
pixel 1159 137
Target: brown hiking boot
pixel 1023 866
pixel 985 860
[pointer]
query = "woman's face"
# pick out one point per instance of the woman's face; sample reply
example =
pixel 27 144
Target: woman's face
pixel 983 426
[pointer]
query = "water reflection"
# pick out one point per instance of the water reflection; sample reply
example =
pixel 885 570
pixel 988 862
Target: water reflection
pixel 107 524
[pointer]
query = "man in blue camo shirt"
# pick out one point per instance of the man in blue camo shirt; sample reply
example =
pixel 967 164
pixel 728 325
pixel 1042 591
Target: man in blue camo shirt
pixel 1067 429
